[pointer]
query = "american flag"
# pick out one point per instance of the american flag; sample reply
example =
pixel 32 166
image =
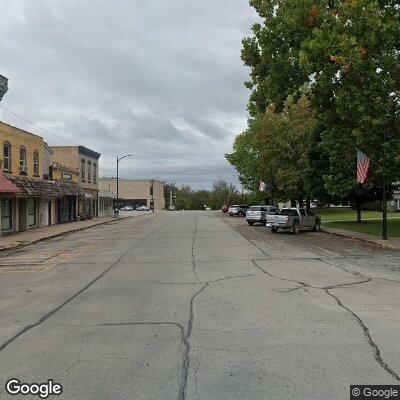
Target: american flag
pixel 262 187
pixel 363 164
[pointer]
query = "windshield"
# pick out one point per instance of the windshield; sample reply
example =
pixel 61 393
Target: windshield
pixel 288 211
pixel 255 208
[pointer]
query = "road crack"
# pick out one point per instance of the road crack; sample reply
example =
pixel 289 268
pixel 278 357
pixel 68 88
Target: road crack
pixel 375 348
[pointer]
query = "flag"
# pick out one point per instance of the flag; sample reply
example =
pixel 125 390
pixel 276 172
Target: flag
pixel 262 187
pixel 363 164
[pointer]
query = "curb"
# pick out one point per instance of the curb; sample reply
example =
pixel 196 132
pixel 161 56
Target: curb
pixel 348 235
pixel 56 235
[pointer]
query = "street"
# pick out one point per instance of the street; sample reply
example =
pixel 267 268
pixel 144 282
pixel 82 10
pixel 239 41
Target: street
pixel 198 305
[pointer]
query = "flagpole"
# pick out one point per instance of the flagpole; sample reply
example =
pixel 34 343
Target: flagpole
pixel 384 211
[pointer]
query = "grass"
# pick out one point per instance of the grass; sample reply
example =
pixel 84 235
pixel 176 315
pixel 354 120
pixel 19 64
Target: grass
pixel 345 218
pixel 347 214
pixel 370 227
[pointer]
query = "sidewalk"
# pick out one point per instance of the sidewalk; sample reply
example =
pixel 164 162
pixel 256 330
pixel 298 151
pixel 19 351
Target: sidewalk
pixel 22 239
pixel 391 243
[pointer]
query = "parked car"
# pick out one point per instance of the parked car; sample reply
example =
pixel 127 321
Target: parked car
pixel 225 208
pixel 127 208
pixel 239 210
pixel 142 208
pixel 259 214
pixel 294 219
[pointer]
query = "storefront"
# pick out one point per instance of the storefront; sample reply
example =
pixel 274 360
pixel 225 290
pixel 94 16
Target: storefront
pixel 37 203
pixel 8 192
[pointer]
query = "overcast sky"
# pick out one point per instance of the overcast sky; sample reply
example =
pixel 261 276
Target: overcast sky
pixel 159 79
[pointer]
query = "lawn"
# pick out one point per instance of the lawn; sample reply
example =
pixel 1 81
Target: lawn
pixel 347 214
pixel 371 227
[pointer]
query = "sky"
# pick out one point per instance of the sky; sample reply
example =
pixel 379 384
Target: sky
pixel 161 80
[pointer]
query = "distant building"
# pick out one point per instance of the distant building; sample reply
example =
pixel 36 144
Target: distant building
pixel 147 192
pixel 85 161
pixel 3 86
pixel 28 199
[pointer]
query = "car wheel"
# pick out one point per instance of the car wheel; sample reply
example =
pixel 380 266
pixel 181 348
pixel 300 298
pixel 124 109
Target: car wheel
pixel 273 229
pixel 296 229
pixel 250 222
pixel 317 227
pixel 263 223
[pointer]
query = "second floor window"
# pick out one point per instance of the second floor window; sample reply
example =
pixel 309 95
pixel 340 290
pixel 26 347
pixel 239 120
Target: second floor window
pixel 23 169
pixel 36 163
pixel 89 171
pixel 94 173
pixel 7 156
pixel 83 170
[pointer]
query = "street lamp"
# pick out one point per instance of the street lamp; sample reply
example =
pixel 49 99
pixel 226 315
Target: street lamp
pixel 152 200
pixel 118 160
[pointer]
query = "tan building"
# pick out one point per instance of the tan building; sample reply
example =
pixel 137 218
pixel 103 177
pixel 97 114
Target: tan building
pixel 136 192
pixel 27 199
pixel 86 162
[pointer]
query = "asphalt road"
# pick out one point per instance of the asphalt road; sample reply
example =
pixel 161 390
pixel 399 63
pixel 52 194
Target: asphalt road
pixel 195 305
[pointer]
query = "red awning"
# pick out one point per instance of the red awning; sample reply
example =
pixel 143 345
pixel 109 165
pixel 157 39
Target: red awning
pixel 7 187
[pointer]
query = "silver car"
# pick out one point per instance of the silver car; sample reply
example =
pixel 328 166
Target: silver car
pixel 259 214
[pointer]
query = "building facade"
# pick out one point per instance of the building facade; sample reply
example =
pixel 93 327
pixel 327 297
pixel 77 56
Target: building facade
pixel 85 161
pixel 149 193
pixel 28 200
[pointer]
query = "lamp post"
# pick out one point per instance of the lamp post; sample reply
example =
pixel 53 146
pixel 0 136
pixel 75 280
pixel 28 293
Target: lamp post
pixel 152 199
pixel 118 160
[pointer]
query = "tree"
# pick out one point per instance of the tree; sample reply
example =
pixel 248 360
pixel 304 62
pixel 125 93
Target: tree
pixel 272 53
pixel 352 56
pixel 223 192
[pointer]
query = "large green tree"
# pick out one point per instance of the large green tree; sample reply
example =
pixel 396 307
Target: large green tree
pixel 352 58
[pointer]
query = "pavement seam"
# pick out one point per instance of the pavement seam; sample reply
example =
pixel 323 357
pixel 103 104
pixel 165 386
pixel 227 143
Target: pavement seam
pixel 62 305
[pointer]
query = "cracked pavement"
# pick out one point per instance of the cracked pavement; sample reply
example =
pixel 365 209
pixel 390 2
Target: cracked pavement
pixel 196 305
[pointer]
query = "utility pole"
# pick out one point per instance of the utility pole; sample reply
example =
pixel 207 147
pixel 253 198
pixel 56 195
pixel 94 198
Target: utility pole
pixel 170 199
pixel 118 160
pixel 384 202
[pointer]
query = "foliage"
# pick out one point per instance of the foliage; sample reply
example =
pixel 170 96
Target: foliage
pixel 344 56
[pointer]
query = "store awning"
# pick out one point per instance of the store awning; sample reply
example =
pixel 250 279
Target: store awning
pixel 43 188
pixel 7 187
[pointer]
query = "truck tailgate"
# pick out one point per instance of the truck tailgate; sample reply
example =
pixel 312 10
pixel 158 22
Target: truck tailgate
pixel 277 219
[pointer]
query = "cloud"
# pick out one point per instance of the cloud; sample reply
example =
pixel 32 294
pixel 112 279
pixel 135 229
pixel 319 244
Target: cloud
pixel 162 80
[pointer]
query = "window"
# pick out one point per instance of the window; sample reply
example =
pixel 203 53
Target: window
pixel 94 173
pixel 302 212
pixel 36 163
pixel 89 171
pixel 32 212
pixel 83 172
pixel 6 214
pixel 7 156
pixel 23 169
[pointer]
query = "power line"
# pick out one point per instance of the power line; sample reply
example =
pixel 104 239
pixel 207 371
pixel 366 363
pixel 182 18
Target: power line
pixel 37 126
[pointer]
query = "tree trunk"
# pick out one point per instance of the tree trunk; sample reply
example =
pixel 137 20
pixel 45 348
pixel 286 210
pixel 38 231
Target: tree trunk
pixel 292 203
pixel 308 202
pixel 358 205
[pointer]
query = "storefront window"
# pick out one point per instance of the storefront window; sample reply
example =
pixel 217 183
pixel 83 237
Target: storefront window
pixel 89 171
pixel 23 169
pixel 83 172
pixel 7 156
pixel 32 212
pixel 94 173
pixel 35 163
pixel 6 214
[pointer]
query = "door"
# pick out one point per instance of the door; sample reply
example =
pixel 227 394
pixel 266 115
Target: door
pixel 22 215
pixel 47 213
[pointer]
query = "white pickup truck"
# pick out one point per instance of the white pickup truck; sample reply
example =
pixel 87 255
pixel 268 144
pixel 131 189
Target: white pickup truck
pixel 293 219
